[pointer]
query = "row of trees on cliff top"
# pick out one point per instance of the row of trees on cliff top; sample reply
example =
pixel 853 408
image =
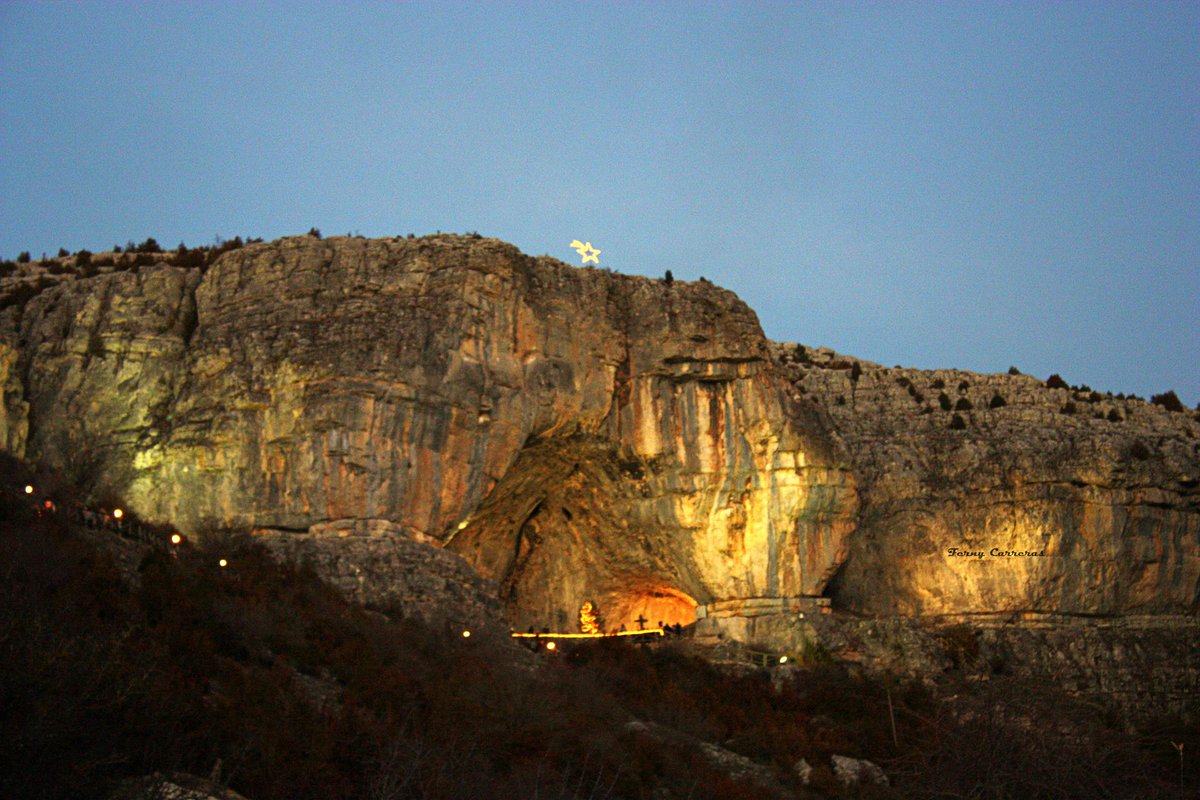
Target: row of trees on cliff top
pixel 151 245
pixel 86 263
pixel 301 694
pixel 131 255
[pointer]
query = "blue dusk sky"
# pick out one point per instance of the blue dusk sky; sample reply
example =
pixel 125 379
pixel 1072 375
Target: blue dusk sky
pixel 971 185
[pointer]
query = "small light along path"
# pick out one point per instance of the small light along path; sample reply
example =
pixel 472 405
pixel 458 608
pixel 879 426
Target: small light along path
pixel 647 632
pixel 99 519
pixel 115 522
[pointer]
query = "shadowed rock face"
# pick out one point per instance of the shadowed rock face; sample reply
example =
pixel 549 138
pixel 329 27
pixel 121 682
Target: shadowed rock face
pixel 601 436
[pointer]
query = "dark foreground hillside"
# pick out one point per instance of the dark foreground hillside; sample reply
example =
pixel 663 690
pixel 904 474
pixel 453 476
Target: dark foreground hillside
pixel 118 660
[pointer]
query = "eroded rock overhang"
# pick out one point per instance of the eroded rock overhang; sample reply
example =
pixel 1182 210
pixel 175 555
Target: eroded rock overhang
pixel 603 437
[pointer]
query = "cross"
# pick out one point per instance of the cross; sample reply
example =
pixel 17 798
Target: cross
pixel 641 621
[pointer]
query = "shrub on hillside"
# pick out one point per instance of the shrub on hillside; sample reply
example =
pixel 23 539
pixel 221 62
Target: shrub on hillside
pixel 22 293
pixel 187 259
pixel 1055 381
pixel 997 401
pixel 957 423
pixel 1168 400
pixel 963 404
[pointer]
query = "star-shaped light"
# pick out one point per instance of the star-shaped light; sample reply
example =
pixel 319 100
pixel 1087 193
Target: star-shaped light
pixel 588 252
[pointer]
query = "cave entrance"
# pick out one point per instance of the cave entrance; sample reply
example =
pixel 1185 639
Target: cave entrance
pixel 574 521
pixel 651 606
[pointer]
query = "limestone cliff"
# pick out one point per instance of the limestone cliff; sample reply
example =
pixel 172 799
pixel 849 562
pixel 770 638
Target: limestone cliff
pixel 413 415
pixel 576 434
pixel 573 433
pixel 1103 488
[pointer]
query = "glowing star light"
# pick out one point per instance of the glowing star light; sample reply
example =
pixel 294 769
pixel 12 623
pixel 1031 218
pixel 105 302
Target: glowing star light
pixel 588 252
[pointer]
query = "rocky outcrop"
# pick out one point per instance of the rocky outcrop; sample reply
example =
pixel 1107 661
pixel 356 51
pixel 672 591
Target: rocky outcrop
pixel 97 369
pixel 177 786
pixel 1006 527
pixel 735 765
pixel 380 568
pixel 994 494
pixel 574 434
pixel 1144 667
pixel 853 771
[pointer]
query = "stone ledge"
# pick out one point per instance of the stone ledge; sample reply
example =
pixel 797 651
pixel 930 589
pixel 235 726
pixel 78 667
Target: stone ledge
pixel 763 606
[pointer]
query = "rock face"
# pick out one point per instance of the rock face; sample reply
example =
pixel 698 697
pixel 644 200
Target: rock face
pixel 378 567
pixel 575 434
pixel 1144 666
pixel 1102 491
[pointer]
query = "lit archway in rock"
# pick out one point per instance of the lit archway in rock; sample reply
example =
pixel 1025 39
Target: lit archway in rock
pixel 566 526
pixel 648 603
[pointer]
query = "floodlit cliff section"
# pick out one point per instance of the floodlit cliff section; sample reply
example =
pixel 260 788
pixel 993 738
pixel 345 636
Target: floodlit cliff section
pixel 998 494
pixel 574 434
pixel 578 435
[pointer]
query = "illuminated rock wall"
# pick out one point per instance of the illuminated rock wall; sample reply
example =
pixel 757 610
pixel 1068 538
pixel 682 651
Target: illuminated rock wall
pixel 1108 493
pixel 98 367
pixel 577 435
pixel 404 383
